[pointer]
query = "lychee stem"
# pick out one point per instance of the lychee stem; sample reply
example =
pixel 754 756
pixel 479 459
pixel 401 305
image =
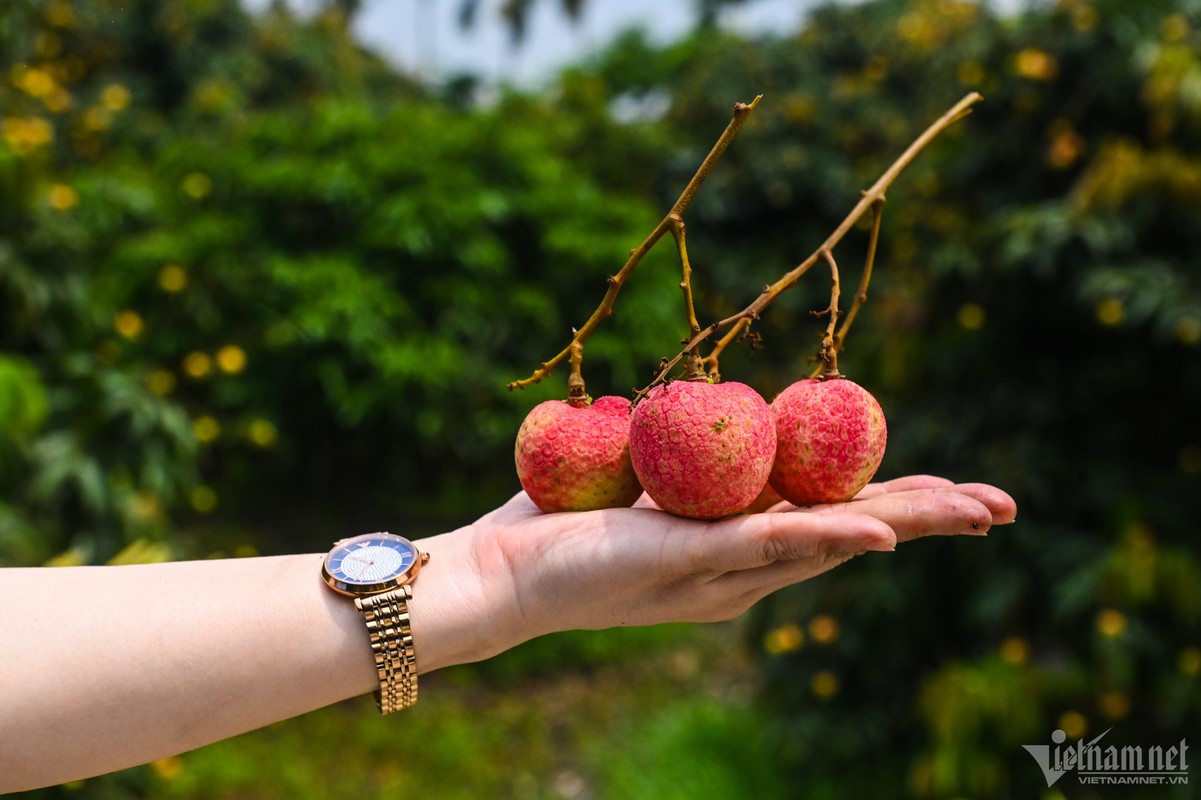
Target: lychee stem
pixel 694 370
pixel 605 309
pixel 577 393
pixel 864 280
pixel 867 201
pixel 829 353
pixel 678 232
pixel 734 334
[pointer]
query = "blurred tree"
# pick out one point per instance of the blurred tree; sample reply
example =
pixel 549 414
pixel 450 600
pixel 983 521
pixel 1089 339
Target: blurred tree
pixel 515 14
pixel 261 254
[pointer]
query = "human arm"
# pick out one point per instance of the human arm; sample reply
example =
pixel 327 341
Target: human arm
pixel 106 667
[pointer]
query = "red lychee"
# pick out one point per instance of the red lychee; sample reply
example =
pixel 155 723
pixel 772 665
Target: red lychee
pixel 702 450
pixel 830 440
pixel 577 458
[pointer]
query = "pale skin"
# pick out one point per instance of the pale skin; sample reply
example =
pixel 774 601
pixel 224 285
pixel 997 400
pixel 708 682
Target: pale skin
pixel 108 667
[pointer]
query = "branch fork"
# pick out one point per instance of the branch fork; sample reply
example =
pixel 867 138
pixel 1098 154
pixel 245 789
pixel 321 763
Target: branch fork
pixel 739 325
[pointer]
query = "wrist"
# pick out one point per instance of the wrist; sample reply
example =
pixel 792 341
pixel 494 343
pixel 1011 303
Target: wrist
pixel 458 615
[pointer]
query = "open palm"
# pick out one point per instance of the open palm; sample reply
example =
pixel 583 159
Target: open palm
pixel 641 566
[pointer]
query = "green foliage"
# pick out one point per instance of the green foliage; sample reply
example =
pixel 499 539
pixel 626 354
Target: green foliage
pixel 703 748
pixel 325 276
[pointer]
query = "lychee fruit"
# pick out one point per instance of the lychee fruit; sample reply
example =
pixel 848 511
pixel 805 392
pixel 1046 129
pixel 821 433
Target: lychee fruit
pixel 830 440
pixel 576 457
pixel 702 450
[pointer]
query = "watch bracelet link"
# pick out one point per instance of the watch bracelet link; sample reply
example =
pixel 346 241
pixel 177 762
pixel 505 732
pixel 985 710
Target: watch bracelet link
pixel 387 617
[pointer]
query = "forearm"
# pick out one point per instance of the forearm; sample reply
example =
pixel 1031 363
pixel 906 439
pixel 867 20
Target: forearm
pixel 107 667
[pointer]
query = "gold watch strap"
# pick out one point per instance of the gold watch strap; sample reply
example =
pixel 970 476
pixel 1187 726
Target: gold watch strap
pixel 387 618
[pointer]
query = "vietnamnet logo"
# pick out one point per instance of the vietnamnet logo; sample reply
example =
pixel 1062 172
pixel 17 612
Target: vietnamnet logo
pixel 1095 763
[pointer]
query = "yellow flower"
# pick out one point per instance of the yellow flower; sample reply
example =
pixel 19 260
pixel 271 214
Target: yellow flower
pixel 823 629
pixel 206 429
pixel 971 316
pixel 197 365
pixel 60 14
pixel 26 134
pixel 231 359
pixel 1188 330
pixel 1066 146
pixel 161 381
pixel 145 506
pixel 784 639
pixel 1084 17
pixel 115 97
pixel 1174 27
pixel 167 768
pixel 262 432
pixel 1111 311
pixel 172 278
pixel 204 499
pixel 129 324
pixel 97 119
pixel 1189 661
pixel 824 684
pixel 62 197
pixel 1036 64
pixel 1073 723
pixel 197 185
pixel 1114 705
pixel 1015 650
pixel 37 83
pixel 1111 622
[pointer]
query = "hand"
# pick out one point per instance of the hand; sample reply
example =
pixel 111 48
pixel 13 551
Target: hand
pixel 530 573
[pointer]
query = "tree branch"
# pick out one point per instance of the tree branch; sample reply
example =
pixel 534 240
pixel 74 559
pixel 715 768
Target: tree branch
pixel 868 199
pixel 616 282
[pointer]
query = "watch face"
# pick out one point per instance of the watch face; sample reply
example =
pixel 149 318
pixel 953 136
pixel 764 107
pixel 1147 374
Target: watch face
pixel 373 562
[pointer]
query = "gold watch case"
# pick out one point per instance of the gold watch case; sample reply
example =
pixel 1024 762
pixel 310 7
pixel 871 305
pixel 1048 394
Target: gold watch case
pixel 377 570
pixel 403 563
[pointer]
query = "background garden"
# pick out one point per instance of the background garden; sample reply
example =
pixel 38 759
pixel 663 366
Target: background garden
pixel 258 289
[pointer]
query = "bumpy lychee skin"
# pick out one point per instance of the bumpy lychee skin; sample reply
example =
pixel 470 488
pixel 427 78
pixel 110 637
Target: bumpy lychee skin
pixel 702 450
pixel 830 440
pixel 573 458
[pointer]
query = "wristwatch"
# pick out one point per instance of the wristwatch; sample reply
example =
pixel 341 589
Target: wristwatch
pixel 377 570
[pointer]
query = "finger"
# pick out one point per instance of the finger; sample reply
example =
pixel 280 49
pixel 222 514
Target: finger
pixel 926 512
pixel 1003 507
pixel 741 543
pixel 906 483
pixel 756 583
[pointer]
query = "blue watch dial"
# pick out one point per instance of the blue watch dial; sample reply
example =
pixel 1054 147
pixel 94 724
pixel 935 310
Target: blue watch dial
pixel 371 562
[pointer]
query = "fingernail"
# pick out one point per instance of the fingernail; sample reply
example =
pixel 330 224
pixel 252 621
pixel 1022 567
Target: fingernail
pixel 883 545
